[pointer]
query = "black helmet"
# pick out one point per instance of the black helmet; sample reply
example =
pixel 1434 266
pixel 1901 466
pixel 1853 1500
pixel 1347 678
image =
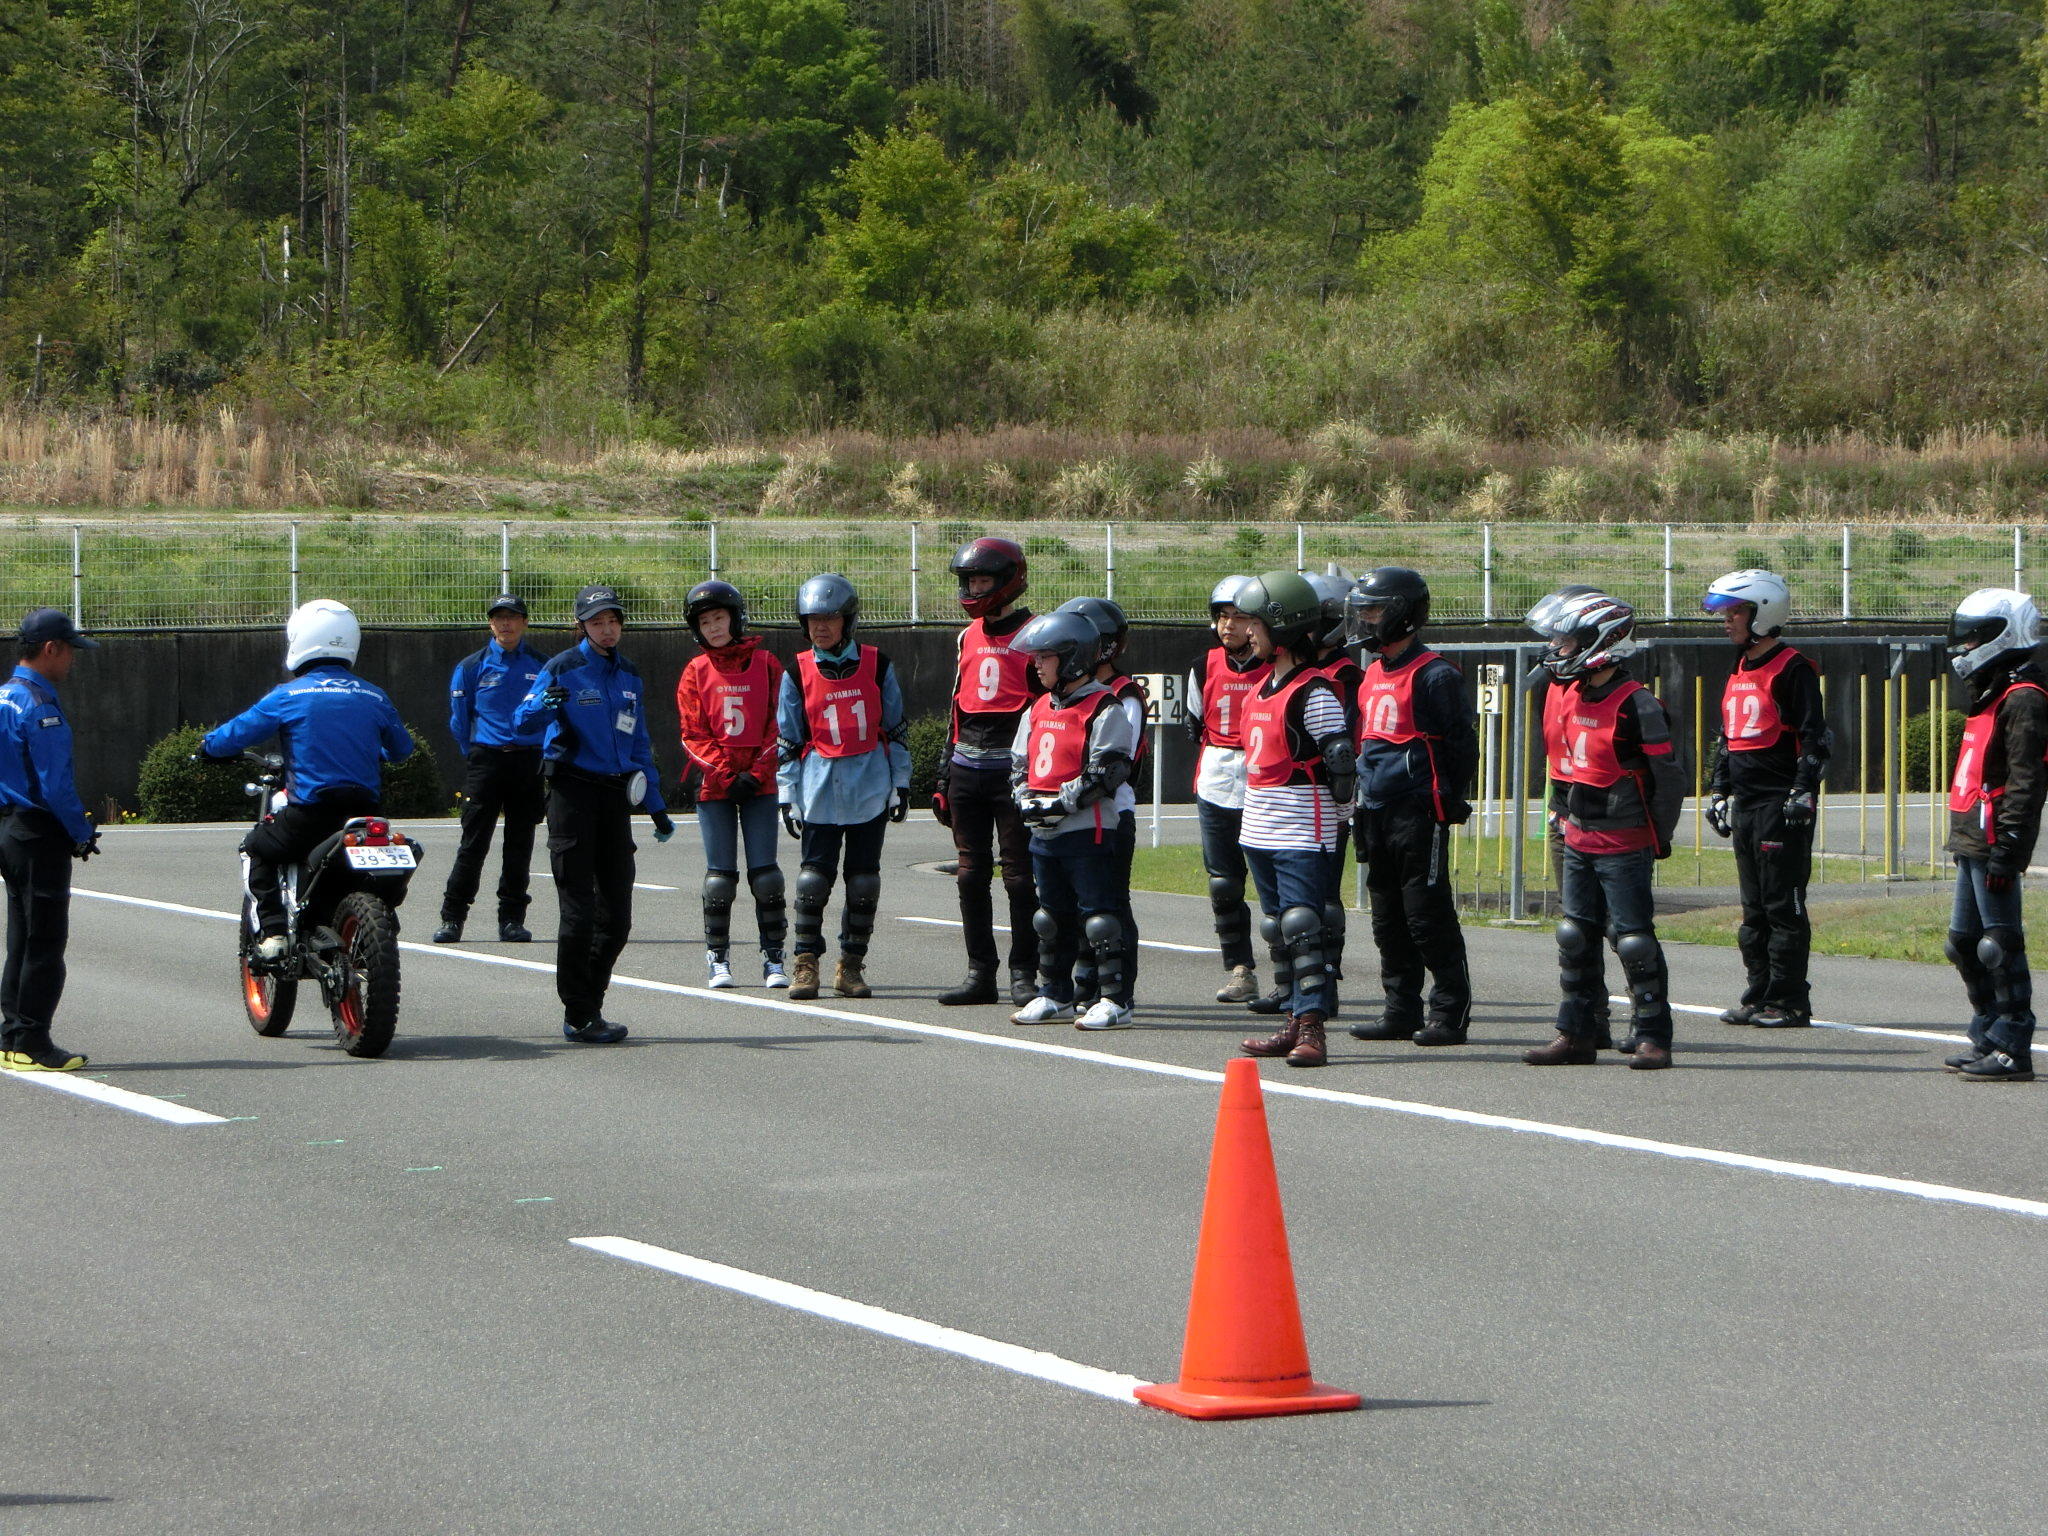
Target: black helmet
pixel 828 594
pixel 715 594
pixel 1333 586
pixel 1402 597
pixel 1069 634
pixel 1286 604
pixel 1001 558
pixel 593 600
pixel 1108 619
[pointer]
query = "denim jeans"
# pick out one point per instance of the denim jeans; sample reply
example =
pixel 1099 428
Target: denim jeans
pixel 1077 878
pixel 723 824
pixel 1995 974
pixel 1292 877
pixel 1609 895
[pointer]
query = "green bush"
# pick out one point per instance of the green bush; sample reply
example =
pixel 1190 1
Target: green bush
pixel 1917 729
pixel 171 787
pixel 927 738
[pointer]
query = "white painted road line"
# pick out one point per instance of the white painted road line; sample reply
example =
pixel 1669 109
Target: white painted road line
pixel 915 1330
pixel 638 885
pixel 116 1098
pixel 1178 949
pixel 1679 1151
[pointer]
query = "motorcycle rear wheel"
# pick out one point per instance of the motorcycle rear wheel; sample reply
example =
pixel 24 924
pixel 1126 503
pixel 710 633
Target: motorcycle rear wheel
pixel 365 1007
pixel 268 1000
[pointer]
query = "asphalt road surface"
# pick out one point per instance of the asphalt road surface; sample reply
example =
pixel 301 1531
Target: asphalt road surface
pixel 1785 1287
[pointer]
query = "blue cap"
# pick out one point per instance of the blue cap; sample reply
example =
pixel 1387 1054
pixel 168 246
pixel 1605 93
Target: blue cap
pixel 44 624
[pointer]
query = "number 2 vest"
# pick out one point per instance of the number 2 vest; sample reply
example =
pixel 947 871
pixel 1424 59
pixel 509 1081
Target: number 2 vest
pixel 1058 744
pixel 1750 721
pixel 844 714
pixel 1224 692
pixel 1269 759
pixel 994 676
pixel 1968 791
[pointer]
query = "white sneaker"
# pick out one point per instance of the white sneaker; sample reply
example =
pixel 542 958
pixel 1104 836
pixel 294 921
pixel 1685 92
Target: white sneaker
pixel 721 972
pixel 1042 1010
pixel 1105 1015
pixel 271 948
pixel 773 976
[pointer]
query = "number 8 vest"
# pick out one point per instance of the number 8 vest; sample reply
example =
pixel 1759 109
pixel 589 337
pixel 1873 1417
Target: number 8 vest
pixel 1058 743
pixel 844 714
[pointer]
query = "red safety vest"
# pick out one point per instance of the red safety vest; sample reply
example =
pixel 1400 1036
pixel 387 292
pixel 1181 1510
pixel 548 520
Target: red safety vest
pixel 1224 692
pixel 1967 790
pixel 1345 678
pixel 1579 735
pixel 739 707
pixel 995 677
pixel 1057 748
pixel 1269 759
pixel 1124 686
pixel 844 714
pixel 1386 712
pixel 1750 720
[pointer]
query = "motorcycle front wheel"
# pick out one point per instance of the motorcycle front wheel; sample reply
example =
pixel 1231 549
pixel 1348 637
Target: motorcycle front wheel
pixel 365 1006
pixel 268 1000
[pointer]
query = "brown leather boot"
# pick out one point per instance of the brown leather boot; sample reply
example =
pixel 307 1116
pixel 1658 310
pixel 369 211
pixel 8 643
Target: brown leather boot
pixel 1310 1049
pixel 803 981
pixel 1564 1051
pixel 1649 1056
pixel 847 979
pixel 1277 1044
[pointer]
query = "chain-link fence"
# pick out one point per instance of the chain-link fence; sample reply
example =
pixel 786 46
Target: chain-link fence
pixel 175 571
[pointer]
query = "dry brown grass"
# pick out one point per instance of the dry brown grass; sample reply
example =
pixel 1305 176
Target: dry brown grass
pixel 49 460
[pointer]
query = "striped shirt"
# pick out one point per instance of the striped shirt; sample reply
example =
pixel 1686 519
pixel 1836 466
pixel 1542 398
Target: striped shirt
pixel 1298 815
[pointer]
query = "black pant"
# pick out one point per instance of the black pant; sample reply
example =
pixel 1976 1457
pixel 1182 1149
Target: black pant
pixel 1223 861
pixel 822 845
pixel 986 825
pixel 1406 854
pixel 35 861
pixel 507 782
pixel 1773 862
pixel 590 850
pixel 288 837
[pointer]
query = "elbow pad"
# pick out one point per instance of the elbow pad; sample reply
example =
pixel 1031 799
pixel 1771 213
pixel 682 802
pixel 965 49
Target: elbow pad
pixel 1340 763
pixel 1097 783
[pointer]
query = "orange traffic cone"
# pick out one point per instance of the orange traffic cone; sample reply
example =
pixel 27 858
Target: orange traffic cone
pixel 1244 1356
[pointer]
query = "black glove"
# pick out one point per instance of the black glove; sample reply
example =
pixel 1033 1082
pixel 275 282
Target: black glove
pixel 1998 877
pixel 942 809
pixel 555 696
pixel 85 850
pixel 664 825
pixel 1457 812
pixel 744 787
pixel 792 823
pixel 1718 816
pixel 899 807
pixel 1799 808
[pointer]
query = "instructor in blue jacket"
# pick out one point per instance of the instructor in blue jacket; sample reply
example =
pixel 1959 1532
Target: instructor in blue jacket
pixel 599 763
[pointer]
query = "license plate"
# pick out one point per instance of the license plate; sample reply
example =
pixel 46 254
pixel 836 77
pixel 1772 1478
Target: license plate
pixel 399 857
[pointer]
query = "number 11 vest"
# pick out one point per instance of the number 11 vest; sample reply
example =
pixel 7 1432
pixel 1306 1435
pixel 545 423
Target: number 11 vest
pixel 845 713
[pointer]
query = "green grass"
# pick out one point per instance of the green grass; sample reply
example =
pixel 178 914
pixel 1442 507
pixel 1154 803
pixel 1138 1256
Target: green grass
pixel 1904 927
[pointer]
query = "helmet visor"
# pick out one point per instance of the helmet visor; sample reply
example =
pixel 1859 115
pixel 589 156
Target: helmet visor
pixel 1725 602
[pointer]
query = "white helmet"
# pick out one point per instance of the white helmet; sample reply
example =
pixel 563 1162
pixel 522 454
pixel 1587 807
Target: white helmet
pixel 1989 624
pixel 1763 591
pixel 322 630
pixel 1602 630
pixel 1224 594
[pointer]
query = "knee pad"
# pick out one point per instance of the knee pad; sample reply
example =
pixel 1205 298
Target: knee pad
pixel 1045 925
pixel 1333 921
pixel 2001 949
pixel 766 884
pixel 1269 930
pixel 1573 942
pixel 720 887
pixel 1640 954
pixel 1105 934
pixel 813 888
pixel 1961 950
pixel 1225 894
pixel 864 891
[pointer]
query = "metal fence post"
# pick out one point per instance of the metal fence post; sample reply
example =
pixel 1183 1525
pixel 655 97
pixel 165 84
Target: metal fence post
pixel 1518 777
pixel 714 548
pixel 295 565
pixel 504 557
pixel 1486 570
pixel 1109 560
pixel 1669 612
pixel 1845 570
pixel 1300 551
pixel 77 580
pixel 2019 561
pixel 914 617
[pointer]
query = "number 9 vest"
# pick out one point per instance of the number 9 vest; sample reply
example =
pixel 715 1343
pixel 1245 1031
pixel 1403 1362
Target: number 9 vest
pixel 844 714
pixel 994 677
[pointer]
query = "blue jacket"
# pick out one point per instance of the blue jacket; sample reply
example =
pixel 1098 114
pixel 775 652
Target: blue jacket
pixel 602 729
pixel 841 791
pixel 337 729
pixel 35 753
pixel 484 691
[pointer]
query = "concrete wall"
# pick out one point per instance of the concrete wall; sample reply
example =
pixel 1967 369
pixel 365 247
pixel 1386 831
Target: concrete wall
pixel 139 687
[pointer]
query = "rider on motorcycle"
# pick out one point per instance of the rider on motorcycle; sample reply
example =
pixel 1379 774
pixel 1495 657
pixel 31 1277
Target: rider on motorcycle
pixel 337 731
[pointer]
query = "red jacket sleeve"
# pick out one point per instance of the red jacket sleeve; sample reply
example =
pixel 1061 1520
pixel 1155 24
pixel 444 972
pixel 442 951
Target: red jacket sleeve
pixel 706 753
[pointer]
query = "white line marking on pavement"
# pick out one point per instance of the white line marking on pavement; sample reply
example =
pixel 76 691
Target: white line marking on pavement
pixel 117 1098
pixel 1679 1151
pixel 915 1330
pixel 1179 949
pixel 638 885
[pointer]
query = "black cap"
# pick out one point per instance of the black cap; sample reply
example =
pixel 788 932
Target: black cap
pixel 592 601
pixel 44 624
pixel 507 602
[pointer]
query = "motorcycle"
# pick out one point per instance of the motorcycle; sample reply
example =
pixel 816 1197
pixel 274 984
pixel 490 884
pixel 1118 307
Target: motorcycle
pixel 341 908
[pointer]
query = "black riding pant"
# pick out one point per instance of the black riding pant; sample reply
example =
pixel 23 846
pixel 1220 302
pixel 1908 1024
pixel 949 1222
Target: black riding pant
pixel 35 861
pixel 590 850
pixel 1223 859
pixel 986 827
pixel 1406 854
pixel 824 844
pixel 289 836
pixel 1773 862
pixel 499 782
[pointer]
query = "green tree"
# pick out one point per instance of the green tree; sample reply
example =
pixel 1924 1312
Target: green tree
pixel 908 241
pixel 1055 245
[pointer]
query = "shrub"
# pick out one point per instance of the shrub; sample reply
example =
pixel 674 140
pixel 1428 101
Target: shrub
pixel 173 788
pixel 1917 730
pixel 927 739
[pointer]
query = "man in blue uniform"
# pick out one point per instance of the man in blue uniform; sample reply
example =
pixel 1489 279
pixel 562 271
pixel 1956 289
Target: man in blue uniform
pixel 599 763
pixel 338 731
pixel 504 771
pixel 42 829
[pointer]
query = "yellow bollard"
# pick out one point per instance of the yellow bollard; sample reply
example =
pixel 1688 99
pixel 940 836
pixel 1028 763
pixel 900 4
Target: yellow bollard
pixel 1820 814
pixel 1699 876
pixel 1863 776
